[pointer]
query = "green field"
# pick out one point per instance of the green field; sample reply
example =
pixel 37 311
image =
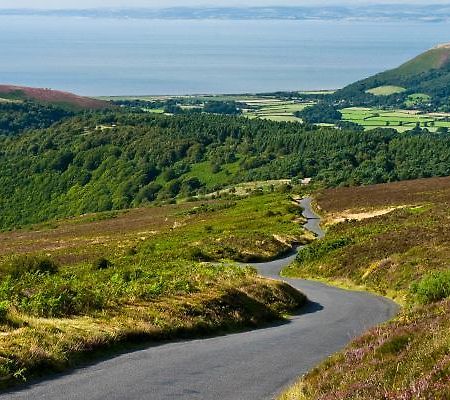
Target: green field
pixel 386 90
pixel 401 120
pixel 253 106
pixel 275 110
pixel 417 99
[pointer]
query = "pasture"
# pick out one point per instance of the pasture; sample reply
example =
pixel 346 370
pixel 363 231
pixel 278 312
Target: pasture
pixel 275 110
pixel 386 90
pixel 401 120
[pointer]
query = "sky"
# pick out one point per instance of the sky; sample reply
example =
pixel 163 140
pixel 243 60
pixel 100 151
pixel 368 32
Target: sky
pixel 199 3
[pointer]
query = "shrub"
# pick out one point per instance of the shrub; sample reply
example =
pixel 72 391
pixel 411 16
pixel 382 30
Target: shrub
pixel 394 346
pixel 197 254
pixel 101 263
pixel 4 307
pixel 31 264
pixel 321 248
pixel 58 297
pixel 208 228
pixel 432 288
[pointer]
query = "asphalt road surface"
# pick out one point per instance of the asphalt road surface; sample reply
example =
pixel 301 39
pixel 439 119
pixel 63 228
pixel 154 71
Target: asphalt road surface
pixel 254 365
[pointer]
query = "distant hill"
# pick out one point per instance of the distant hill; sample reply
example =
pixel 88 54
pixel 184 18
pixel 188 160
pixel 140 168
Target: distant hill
pixel 436 58
pixel 423 82
pixel 330 12
pixel 48 96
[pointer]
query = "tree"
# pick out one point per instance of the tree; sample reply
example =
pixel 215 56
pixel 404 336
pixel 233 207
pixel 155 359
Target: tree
pixel 319 113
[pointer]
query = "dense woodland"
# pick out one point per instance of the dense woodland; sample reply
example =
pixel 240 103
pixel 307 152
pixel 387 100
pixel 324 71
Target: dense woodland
pixel 18 117
pixel 321 112
pixel 117 159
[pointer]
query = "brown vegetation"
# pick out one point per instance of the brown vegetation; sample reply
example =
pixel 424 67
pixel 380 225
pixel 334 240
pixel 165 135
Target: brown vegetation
pixel 52 96
pixel 405 254
pixel 383 195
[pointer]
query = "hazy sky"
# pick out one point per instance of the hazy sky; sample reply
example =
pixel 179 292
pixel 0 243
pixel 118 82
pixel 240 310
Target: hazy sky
pixel 171 3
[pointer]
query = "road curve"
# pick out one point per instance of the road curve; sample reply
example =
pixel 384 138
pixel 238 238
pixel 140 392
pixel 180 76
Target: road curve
pixel 253 365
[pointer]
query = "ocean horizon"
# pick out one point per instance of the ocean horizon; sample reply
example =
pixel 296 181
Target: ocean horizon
pixel 129 57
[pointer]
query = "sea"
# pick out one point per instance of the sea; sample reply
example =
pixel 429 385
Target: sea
pixel 130 57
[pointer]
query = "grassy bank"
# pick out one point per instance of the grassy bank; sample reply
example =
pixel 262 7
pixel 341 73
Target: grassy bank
pixel 96 281
pixel 392 239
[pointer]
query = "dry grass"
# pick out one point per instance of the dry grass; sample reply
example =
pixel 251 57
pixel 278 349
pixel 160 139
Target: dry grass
pixel 383 195
pixel 408 358
pixel 30 345
pixel 152 286
pixel 92 229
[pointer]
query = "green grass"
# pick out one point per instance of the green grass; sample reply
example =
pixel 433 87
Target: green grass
pixel 203 171
pixel 386 90
pixel 91 283
pixel 432 59
pixel 416 99
pixel 401 120
pixel 281 111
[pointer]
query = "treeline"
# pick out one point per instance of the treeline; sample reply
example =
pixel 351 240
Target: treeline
pixel 321 112
pixel 114 160
pixel 186 105
pixel 18 117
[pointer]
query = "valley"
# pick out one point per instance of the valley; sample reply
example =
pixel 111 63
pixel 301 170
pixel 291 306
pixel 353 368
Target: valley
pixel 192 245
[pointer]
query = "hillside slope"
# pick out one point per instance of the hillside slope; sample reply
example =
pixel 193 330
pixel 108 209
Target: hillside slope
pixel 393 239
pixel 110 161
pixel 94 281
pixel 48 96
pixel 427 74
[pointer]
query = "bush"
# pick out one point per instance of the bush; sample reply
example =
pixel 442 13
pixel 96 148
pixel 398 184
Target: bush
pixel 197 254
pixel 31 264
pixel 57 296
pixel 394 346
pixel 432 288
pixel 321 248
pixel 208 228
pixel 4 307
pixel 101 263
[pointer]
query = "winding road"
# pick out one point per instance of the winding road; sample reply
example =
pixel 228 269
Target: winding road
pixel 254 365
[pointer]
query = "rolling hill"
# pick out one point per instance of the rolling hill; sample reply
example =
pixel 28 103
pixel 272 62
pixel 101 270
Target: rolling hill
pixel 49 96
pixel 112 160
pixel 423 82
